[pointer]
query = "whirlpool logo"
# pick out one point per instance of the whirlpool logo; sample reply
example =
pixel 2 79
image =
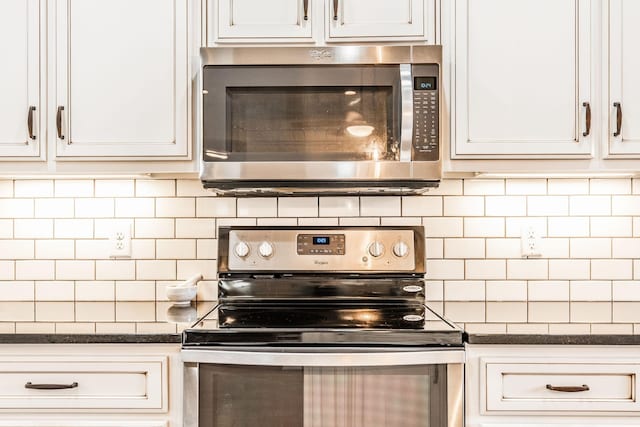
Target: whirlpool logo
pixel 319 54
pixel 318 262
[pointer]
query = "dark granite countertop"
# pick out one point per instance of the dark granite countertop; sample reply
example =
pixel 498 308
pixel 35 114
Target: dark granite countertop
pixel 526 339
pixel 90 339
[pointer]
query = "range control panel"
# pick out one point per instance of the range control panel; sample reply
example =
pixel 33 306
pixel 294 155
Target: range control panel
pixel 349 249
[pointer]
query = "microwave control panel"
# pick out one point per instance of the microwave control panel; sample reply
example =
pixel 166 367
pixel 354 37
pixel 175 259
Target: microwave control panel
pixel 426 113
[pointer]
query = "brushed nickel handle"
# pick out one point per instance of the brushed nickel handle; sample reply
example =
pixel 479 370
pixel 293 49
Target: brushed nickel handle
pixel 59 121
pixel 50 386
pixel 587 119
pixel 618 118
pixel 305 6
pixel 30 122
pixel 335 10
pixel 568 389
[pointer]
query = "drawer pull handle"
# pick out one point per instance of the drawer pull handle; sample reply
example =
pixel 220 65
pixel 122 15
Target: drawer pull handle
pixel 50 386
pixel 618 108
pixel 587 119
pixel 568 389
pixel 30 122
pixel 59 122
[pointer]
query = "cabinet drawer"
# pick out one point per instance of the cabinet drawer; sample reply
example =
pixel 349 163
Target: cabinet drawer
pixel 92 383
pixel 560 386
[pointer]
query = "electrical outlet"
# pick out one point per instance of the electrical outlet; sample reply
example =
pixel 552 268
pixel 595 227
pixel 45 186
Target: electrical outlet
pixel 120 241
pixel 530 241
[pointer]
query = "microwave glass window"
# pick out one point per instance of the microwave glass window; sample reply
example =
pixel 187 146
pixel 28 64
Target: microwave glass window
pixel 317 123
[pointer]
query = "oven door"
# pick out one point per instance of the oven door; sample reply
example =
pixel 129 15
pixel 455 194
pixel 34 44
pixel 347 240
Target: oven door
pixel 322 388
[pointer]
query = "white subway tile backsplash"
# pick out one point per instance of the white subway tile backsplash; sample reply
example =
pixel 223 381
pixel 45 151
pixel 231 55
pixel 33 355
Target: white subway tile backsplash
pixel 278 222
pixel 334 221
pixel 596 247
pixel 115 328
pixel 114 188
pixel 339 206
pixel 514 225
pixel 156 270
pixel 15 290
pixel 115 270
pixel 611 227
pixel 299 206
pixel 143 249
pixel 548 312
pixel 183 207
pixel 155 188
pixel 464 248
pixel 434 290
pixel 445 269
pixel 75 328
pixel 57 311
pixel 512 290
pixel 207 249
pixel 528 328
pixel 16 208
pixel 75 270
pixel 589 205
pixel 568 329
pixel 190 268
pixel 590 291
pixel 91 249
pixel 6 188
pixel 35 270
pixel 135 291
pixel 55 249
pixel 467 290
pixel 160 228
pixel 422 206
pixel 548 290
pixel 503 248
pixel 400 221
pixel 127 311
pixel 463 205
pixel 611 269
pixel 194 228
pixel 443 227
pixel 626 312
pixel 483 187
pixel 610 186
pixel 568 186
pixel 54 291
pixel 7 270
pixel 625 205
pixel 35 328
pixel 257 206
pixel 95 291
pixel 73 188
pixel 612 329
pixel 526 187
pixel 54 208
pixel 176 249
pixel 211 207
pixel 547 205
pixel 569 269
pixel 434 248
pixel 130 207
pixel 73 228
pixel 191 188
pixel 224 222
pixel 527 269
pixel 588 312
pixel 485 269
pixel 380 206
pixel 506 205
pixel 626 291
pixel 94 208
pixel 484 227
pixel 486 328
pixel 365 221
pixel 90 311
pixel 16 249
pixel 33 188
pixel 465 311
pixel 626 248
pixel 33 228
pixel 447 187
pixel 17 311
pixel 6 228
pixel 507 312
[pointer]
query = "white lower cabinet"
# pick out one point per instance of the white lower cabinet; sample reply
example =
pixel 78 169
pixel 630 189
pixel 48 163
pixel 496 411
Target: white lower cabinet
pixel 552 386
pixel 82 385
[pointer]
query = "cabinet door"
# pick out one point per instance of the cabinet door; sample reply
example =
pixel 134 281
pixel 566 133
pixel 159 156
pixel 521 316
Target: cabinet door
pixel 522 81
pixel 121 78
pixel 376 19
pixel 289 20
pixel 19 78
pixel 624 77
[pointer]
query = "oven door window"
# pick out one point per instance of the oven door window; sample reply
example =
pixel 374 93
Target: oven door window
pixel 301 113
pixel 268 396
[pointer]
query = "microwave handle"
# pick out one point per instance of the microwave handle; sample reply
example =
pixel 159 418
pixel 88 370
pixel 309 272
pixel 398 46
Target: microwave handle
pixel 406 120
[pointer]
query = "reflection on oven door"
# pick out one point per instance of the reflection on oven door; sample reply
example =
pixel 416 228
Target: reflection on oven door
pixel 268 396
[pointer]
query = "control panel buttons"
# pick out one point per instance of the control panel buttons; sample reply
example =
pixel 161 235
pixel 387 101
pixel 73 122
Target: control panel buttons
pixel 376 249
pixel 241 249
pixel 400 249
pixel 265 249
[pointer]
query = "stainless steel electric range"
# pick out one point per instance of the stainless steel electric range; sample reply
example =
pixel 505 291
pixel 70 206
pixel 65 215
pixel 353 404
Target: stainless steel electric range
pixel 322 327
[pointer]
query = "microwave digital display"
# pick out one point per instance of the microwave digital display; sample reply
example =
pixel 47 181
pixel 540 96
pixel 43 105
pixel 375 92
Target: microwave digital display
pixel 425 83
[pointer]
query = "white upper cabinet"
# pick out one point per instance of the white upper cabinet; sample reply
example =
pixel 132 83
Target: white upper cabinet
pixel 20 112
pixel 121 78
pixel 273 19
pixel 623 107
pixel 522 78
pixel 376 19
pixel 319 21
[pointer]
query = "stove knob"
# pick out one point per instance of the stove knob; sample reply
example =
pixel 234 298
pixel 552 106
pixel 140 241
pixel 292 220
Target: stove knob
pixel 265 249
pixel 400 249
pixel 241 249
pixel 376 249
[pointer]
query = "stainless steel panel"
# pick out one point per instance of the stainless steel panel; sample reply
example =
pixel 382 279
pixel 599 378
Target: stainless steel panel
pixel 406 104
pixel 322 357
pixel 455 395
pixel 190 395
pixel 321 55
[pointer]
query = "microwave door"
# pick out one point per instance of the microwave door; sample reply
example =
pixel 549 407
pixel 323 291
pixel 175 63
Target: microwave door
pixel 307 113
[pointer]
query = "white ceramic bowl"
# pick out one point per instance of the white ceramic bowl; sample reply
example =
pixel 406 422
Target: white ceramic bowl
pixel 181 295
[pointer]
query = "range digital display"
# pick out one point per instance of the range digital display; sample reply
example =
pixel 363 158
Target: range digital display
pixel 321 240
pixel 425 83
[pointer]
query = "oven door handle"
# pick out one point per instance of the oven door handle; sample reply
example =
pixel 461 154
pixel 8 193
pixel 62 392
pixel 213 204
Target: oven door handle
pixel 406 105
pixel 261 357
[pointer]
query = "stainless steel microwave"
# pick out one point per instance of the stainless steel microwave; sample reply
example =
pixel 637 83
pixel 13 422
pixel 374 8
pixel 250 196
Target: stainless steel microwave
pixel 325 120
